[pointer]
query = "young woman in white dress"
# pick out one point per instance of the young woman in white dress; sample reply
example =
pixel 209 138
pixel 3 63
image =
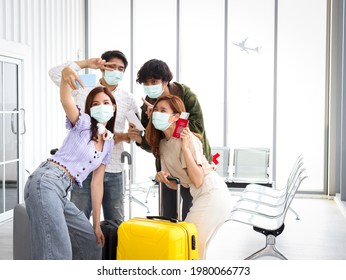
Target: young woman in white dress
pixel 183 158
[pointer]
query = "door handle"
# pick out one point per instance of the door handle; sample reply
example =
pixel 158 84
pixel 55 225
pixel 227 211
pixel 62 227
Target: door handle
pixel 24 125
pixel 12 121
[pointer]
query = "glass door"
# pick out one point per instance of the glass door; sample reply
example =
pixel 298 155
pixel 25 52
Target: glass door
pixel 12 129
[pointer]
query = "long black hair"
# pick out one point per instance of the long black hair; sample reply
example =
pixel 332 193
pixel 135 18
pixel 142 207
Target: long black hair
pixel 88 104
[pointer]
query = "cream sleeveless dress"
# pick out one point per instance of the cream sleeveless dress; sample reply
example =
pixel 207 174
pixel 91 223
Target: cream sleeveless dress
pixel 211 202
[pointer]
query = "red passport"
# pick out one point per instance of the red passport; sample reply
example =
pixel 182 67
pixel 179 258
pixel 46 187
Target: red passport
pixel 181 124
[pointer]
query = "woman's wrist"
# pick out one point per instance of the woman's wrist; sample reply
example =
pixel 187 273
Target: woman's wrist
pixel 82 64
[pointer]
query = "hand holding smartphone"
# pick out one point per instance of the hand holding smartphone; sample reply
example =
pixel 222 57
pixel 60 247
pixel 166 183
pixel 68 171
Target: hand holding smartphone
pixel 88 80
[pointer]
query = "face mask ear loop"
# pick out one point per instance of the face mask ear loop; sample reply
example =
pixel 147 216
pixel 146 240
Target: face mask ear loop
pixel 107 135
pixel 102 130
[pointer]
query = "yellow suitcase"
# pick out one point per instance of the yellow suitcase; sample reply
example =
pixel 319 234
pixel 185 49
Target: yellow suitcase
pixel 152 238
pixel 157 237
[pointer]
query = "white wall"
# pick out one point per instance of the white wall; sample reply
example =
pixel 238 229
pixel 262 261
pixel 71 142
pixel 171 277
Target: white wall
pixel 52 32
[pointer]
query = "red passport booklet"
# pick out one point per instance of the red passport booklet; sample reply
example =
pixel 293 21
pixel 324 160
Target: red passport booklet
pixel 181 124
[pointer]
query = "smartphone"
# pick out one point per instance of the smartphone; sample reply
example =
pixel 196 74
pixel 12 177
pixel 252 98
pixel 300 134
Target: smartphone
pixel 88 80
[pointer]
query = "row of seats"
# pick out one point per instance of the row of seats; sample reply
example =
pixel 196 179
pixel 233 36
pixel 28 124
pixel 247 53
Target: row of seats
pixel 250 164
pixel 265 209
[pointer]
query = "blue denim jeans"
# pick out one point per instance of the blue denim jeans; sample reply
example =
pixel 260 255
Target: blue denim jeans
pixel 59 229
pixel 113 197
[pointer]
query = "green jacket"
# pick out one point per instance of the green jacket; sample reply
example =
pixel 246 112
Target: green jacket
pixel 196 123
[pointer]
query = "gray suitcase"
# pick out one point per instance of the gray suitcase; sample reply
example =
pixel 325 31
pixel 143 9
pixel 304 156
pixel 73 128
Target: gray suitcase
pixel 21 233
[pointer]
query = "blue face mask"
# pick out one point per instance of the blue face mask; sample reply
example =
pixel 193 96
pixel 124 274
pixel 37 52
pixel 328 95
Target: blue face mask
pixel 153 91
pixel 102 113
pixel 113 77
pixel 161 120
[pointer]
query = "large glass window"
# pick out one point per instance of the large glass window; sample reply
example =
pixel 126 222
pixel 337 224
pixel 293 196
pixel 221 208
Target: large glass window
pixel 250 73
pixel 297 102
pixel 110 30
pixel 301 89
pixel 202 60
pixel 154 37
pixel 154 27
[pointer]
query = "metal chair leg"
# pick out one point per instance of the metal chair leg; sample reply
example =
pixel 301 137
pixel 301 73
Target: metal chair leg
pixel 140 203
pixel 294 212
pixel 148 192
pixel 269 250
pixel 146 197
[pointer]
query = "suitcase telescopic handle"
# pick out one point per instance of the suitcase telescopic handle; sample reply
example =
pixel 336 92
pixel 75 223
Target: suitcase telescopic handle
pixel 124 155
pixel 177 181
pixel 127 155
pixel 163 218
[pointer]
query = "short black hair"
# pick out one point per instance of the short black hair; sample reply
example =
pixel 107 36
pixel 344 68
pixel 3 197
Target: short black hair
pixel 108 55
pixel 156 69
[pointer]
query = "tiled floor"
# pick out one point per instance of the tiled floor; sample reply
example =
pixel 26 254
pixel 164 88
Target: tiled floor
pixel 320 234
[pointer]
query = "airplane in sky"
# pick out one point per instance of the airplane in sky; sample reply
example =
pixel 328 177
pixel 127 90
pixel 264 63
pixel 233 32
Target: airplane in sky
pixel 244 48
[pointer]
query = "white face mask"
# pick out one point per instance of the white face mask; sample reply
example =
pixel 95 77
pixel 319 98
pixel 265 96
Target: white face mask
pixel 161 120
pixel 102 113
pixel 153 91
pixel 113 77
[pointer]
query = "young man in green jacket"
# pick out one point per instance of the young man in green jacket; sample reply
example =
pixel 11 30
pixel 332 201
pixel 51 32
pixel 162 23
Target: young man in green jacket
pixel 156 77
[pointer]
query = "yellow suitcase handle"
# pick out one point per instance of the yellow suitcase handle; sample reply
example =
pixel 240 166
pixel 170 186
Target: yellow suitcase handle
pixel 177 180
pixel 163 218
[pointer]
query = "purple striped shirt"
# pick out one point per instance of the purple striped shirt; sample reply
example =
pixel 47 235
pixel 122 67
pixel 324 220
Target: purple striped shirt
pixel 78 154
